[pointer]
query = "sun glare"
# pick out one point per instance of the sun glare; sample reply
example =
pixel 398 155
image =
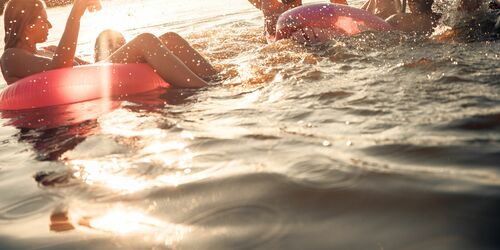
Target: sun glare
pixel 127 221
pixel 122 222
pixel 110 174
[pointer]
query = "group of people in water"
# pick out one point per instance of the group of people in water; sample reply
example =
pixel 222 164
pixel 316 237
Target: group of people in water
pixel 172 57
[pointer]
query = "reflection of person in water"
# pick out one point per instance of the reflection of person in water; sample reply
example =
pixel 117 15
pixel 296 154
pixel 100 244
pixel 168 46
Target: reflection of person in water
pixel 55 130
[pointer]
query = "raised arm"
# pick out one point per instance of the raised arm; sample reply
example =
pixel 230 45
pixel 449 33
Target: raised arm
pixel 18 63
pixel 275 4
pixel 256 3
pixel 64 55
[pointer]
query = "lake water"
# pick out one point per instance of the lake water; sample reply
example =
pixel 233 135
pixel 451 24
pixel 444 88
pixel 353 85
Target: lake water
pixel 380 141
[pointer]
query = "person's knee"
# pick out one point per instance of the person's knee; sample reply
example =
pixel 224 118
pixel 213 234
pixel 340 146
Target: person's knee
pixel 146 38
pixel 171 36
pixel 107 42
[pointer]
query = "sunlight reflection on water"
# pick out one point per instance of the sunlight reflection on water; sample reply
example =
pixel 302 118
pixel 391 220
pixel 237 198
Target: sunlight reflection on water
pixel 298 148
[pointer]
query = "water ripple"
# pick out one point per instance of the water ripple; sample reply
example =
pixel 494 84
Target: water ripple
pixel 476 123
pixel 321 171
pixel 27 207
pixel 238 227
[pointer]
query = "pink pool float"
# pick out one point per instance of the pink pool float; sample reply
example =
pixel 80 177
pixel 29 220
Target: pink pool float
pixel 335 18
pixel 78 84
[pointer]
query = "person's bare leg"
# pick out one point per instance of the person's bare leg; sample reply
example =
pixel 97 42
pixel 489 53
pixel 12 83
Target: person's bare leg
pixel 147 48
pixel 369 6
pixel 188 55
pixel 382 8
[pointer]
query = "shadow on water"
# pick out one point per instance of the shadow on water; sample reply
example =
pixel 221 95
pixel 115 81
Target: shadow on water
pixel 476 123
pixel 451 155
pixel 55 130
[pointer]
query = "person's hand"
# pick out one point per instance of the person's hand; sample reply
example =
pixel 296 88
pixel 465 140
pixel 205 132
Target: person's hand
pixel 312 35
pixel 271 7
pixel 79 7
pixel 50 48
pixel 344 2
pixel 275 7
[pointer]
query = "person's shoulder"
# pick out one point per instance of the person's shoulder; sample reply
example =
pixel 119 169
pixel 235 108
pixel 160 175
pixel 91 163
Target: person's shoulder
pixel 15 50
pixel 9 58
pixel 14 56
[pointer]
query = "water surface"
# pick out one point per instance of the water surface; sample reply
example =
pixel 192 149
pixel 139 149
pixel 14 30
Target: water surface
pixel 380 141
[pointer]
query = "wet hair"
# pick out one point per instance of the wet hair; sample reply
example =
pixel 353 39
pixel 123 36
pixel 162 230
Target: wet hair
pixel 18 15
pixel 423 6
pixel 107 42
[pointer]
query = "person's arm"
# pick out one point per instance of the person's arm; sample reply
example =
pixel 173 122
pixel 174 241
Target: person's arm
pixel 81 61
pixel 256 3
pixel 344 2
pixel 368 5
pixel 65 52
pixel 382 8
pixel 19 63
pixel 50 50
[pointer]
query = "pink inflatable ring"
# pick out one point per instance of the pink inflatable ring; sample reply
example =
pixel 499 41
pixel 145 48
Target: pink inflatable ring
pixel 78 84
pixel 340 19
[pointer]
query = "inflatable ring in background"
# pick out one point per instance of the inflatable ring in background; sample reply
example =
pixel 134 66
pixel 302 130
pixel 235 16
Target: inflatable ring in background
pixel 335 18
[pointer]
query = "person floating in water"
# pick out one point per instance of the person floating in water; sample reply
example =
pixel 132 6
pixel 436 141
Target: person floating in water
pixel 26 25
